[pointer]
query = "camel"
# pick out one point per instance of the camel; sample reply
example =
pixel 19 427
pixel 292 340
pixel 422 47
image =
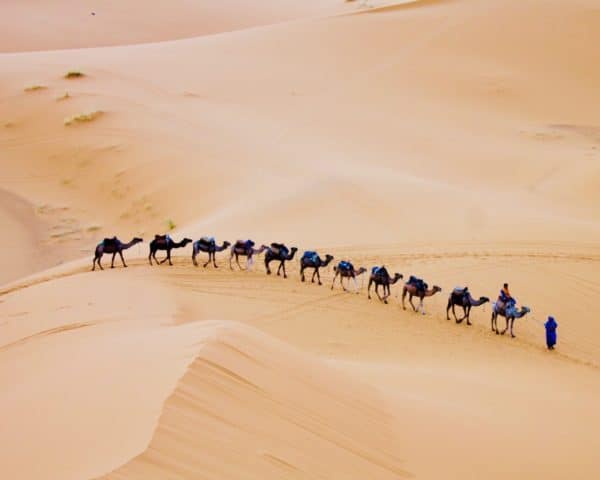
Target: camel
pixel 279 252
pixel 510 315
pixel 380 276
pixel 165 242
pixel 209 246
pixel 346 270
pixel 245 248
pixel 312 260
pixel 463 298
pixel 114 246
pixel 415 287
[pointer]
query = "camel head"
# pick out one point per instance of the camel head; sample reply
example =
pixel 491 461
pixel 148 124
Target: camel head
pixel 398 276
pixel 484 299
pixel 137 240
pixel 328 258
pixel 436 289
pixel 185 241
pixel 226 244
pixel 294 249
pixel 524 311
pixel 361 270
pixel 262 248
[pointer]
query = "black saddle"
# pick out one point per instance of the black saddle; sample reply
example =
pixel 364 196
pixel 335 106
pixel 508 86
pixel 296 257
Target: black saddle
pixel 418 283
pixel 110 242
pixel 244 244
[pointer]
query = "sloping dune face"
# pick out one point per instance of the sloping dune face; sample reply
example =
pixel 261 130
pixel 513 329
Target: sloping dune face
pixel 28 25
pixel 251 407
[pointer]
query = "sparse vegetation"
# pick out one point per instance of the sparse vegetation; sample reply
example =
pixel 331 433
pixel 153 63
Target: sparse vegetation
pixel 65 96
pixel 170 224
pixel 93 228
pixel 83 117
pixel 35 88
pixel 74 74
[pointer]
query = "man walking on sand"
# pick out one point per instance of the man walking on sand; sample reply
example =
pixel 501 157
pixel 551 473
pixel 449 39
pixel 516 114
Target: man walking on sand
pixel 551 327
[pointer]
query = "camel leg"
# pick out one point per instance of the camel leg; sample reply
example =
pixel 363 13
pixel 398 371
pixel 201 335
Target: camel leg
pixel 369 288
pixel 468 314
pixel 112 260
pixel 207 262
pixel 150 257
pixel 506 328
pixel 122 259
pixel 403 296
pixel 96 258
pixel 237 260
pixel 318 275
pixel 250 262
pixel 421 305
pixel 457 320
pixel 267 261
pixel 194 253
pixel 214 257
pixel 279 268
pixel 377 292
pixel 283 268
pixel 410 297
pixel 355 284
pixel 334 277
pixel 231 258
pixel 512 321
pixel 450 305
pixel 302 279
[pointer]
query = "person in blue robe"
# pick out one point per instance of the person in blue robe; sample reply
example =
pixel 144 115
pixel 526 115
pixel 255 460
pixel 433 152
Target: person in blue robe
pixel 551 327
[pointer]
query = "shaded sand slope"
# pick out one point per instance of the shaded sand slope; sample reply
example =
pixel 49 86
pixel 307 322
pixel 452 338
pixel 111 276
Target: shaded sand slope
pixel 251 407
pixel 412 124
pixel 28 25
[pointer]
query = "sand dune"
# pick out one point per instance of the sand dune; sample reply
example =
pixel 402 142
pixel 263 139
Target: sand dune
pixel 456 140
pixel 249 407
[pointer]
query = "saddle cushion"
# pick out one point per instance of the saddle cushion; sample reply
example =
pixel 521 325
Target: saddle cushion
pixel 418 283
pixel 346 266
pixel 207 240
pixel 108 242
pixel 245 244
pixel 311 256
pixel 279 249
pixel 375 270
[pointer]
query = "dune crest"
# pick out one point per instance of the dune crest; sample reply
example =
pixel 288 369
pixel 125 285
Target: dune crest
pixel 251 407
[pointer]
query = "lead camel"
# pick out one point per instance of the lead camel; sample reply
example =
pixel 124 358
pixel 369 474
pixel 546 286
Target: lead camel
pixel 112 245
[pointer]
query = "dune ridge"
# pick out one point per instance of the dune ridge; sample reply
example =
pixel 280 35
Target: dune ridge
pixel 251 407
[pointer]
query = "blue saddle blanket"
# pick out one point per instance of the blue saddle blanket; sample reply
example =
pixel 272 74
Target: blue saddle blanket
pixel 345 265
pixel 311 256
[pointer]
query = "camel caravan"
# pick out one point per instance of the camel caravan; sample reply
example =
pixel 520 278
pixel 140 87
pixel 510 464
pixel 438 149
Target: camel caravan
pixel 414 287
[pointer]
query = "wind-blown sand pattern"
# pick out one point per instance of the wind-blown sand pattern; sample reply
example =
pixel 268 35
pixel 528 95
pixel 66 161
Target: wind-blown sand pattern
pixel 456 140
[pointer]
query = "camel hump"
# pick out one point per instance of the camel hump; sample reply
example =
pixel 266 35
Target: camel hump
pixel 460 290
pixel 109 241
pixel 418 283
pixel 345 265
pixel 208 240
pixel 244 244
pixel 160 237
pixel 310 255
